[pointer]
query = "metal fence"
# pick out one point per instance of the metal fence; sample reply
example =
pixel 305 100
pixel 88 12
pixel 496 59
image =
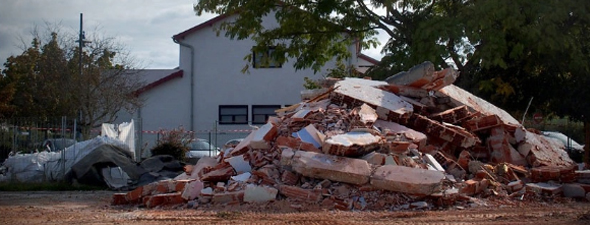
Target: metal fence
pixel 27 134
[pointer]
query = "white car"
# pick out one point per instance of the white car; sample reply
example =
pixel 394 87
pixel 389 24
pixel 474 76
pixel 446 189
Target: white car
pixel 199 148
pixel 573 148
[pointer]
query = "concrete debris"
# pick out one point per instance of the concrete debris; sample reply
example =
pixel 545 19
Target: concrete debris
pixel 413 141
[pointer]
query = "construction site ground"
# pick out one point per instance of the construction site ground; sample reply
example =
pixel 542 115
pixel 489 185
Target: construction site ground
pixel 94 207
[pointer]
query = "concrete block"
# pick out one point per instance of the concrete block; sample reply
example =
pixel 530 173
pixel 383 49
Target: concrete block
pixel 259 194
pixel 192 190
pixel 239 164
pixel 208 191
pixel 515 186
pixel 334 168
pixel 351 144
pixel 407 180
pixel 573 190
pixel 544 188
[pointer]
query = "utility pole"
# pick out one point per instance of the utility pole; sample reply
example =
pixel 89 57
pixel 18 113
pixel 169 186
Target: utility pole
pixel 82 42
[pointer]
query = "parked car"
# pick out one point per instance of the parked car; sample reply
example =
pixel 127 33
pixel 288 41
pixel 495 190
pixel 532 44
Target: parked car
pixel 232 143
pixel 57 144
pixel 573 148
pixel 199 148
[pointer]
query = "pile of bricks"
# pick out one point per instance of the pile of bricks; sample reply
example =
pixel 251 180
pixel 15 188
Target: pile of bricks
pixel 412 141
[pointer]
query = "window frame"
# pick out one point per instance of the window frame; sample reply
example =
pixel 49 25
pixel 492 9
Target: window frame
pixel 266 115
pixel 233 116
pixel 259 58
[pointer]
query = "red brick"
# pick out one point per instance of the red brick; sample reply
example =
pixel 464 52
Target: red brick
pixel 289 178
pixel 135 195
pixel 547 173
pixel 452 116
pixel 229 198
pixel 219 174
pixel 308 195
pixel 119 199
pixel 483 123
pixel 164 199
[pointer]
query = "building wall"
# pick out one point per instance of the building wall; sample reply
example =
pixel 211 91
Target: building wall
pixel 219 81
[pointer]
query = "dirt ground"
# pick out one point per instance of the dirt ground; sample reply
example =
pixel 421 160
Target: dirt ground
pixel 93 207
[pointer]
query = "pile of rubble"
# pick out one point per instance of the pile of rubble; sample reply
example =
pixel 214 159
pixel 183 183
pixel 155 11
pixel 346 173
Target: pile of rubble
pixel 413 140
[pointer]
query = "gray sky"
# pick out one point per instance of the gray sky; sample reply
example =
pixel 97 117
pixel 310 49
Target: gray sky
pixel 144 27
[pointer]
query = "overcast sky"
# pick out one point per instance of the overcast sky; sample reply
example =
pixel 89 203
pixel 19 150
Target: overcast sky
pixel 145 27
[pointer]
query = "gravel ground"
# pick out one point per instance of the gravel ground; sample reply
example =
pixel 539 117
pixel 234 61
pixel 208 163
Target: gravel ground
pixel 93 207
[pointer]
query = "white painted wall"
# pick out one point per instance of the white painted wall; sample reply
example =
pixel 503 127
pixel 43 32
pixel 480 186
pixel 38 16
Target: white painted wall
pixel 219 81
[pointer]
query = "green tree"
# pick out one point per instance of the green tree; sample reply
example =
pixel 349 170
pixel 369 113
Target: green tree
pixel 507 51
pixel 48 80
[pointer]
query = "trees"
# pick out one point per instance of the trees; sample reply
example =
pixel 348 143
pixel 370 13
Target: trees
pixel 506 50
pixel 48 80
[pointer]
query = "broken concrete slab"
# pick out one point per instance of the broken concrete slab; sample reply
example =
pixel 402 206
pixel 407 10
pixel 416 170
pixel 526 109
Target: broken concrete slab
pixel 417 76
pixel 263 136
pixel 351 144
pixel 407 180
pixel 311 135
pixel 540 151
pixel 192 190
pixel 544 189
pixel 389 128
pixel 367 114
pixel 461 97
pixel 573 190
pixel 259 194
pixel 355 92
pixel 335 168
pixel 239 164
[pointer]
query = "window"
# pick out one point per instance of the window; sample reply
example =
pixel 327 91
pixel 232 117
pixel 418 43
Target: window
pixel 233 114
pixel 260 113
pixel 262 59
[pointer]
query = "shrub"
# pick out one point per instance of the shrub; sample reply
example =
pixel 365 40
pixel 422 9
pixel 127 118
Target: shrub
pixel 173 143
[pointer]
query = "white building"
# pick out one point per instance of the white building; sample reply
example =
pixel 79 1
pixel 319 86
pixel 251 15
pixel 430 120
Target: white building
pixel 210 95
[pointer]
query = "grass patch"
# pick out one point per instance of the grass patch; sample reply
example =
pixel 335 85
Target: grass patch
pixel 48 186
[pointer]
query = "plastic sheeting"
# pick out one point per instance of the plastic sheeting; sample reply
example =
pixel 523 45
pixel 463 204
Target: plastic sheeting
pixel 124 132
pixel 52 166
